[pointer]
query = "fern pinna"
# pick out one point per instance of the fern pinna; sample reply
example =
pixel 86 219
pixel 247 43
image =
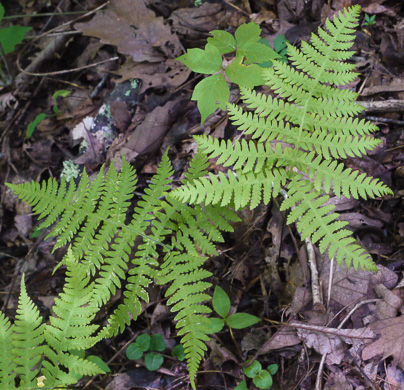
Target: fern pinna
pixel 296 138
pixel 91 219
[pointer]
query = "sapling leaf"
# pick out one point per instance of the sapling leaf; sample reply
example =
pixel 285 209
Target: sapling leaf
pixel 241 320
pixel 244 75
pixel 206 61
pixel 60 92
pixel 242 386
pixel 221 302
pixel 12 36
pixel 253 369
pixel 216 325
pixel 223 40
pixel 153 361
pixel 2 12
pixel 157 343
pixel 257 52
pixel 249 32
pixel 280 43
pixel 211 93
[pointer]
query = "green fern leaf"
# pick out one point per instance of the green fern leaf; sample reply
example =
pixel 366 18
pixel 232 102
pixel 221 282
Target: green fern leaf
pixel 70 328
pixel 27 339
pixel 145 264
pixel 7 373
pixel 185 273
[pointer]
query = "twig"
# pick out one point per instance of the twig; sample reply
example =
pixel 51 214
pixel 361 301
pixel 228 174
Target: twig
pixel 318 305
pixel 383 105
pixel 320 372
pixel 330 281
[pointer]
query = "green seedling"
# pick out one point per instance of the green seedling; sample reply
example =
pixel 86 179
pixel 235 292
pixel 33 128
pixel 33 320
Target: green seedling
pixel 261 378
pixel 152 345
pixel 40 117
pixel 221 305
pixel 10 37
pixel 369 20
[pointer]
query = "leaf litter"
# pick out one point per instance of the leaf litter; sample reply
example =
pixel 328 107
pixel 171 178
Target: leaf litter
pixel 261 268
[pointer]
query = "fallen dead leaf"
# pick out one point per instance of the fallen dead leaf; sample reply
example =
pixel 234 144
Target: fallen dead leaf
pixel 135 30
pixel 169 74
pixel 331 341
pixel 391 341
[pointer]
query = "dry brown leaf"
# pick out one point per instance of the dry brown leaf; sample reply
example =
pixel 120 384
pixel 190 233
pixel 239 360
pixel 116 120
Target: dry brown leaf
pixel 337 381
pixel 331 341
pixel 194 22
pixel 391 341
pixel 170 73
pixel 360 221
pixel 146 136
pixel 349 286
pixel 134 30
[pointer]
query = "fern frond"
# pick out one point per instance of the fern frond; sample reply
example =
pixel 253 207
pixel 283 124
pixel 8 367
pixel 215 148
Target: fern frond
pixel 316 220
pixel 185 273
pixel 27 339
pixel 7 373
pixel 70 328
pixel 146 213
pixel 310 122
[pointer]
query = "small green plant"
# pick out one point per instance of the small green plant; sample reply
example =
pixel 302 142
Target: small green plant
pixel 10 37
pixel 155 344
pixel 261 378
pixel 213 91
pixel 40 117
pixel 280 46
pixel 221 305
pixel 369 20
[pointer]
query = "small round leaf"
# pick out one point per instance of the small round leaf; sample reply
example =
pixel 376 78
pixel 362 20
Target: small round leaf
pixel 253 369
pixel 134 352
pixel 242 386
pixel 273 369
pixel 263 380
pixel 178 352
pixel 153 361
pixel 143 341
pixel 157 343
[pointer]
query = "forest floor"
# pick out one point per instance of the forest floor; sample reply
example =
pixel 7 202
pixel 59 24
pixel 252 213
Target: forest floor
pixel 74 63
